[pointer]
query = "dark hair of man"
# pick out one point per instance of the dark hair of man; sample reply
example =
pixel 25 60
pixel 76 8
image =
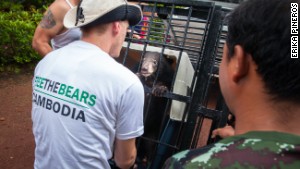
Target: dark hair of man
pixel 263 29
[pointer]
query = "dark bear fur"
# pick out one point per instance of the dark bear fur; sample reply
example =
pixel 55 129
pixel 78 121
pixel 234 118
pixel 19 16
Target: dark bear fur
pixel 154 66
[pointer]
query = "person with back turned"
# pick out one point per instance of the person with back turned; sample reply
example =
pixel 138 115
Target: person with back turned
pixel 260 83
pixel 87 108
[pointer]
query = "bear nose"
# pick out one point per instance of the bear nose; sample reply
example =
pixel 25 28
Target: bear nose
pixel 144 69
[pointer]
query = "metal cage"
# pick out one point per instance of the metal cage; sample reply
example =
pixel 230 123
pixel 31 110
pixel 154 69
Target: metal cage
pixel 191 34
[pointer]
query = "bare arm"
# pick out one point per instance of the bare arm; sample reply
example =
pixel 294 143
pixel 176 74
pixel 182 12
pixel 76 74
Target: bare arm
pixel 50 25
pixel 125 153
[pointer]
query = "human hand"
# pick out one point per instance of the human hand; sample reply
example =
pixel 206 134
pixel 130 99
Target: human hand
pixel 224 132
pixel 134 34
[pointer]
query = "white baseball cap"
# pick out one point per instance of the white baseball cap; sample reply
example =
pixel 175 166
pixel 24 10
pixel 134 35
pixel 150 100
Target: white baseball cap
pixel 94 12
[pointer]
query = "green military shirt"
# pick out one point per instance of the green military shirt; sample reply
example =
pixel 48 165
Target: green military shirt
pixel 268 150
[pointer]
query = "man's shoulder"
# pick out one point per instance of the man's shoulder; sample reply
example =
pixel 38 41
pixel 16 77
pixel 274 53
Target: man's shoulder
pixel 241 152
pixel 59 8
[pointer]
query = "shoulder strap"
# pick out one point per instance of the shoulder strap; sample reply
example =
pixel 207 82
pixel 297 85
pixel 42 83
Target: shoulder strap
pixel 69 3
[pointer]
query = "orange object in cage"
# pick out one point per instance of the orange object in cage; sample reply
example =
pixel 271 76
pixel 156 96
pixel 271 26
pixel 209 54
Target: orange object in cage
pixel 144 27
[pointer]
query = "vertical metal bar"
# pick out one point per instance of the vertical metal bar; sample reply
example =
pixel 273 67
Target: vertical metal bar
pixel 202 78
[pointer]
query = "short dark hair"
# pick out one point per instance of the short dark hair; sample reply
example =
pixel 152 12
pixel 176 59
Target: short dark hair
pixel 263 29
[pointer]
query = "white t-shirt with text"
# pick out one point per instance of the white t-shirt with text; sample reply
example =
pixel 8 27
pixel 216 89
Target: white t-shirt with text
pixel 82 100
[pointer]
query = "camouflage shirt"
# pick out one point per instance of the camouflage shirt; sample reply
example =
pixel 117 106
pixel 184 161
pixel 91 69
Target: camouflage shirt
pixel 268 150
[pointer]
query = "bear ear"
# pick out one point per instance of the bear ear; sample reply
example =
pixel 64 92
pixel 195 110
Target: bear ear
pixel 169 59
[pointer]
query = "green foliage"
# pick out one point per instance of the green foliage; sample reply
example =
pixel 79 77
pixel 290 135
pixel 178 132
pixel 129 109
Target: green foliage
pixel 36 3
pixel 16 31
pixel 8 5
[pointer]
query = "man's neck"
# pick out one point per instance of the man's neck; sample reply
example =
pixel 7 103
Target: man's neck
pixel 104 43
pixel 281 117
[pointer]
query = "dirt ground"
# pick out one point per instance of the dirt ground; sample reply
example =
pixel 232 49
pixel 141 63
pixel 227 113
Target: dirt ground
pixel 16 138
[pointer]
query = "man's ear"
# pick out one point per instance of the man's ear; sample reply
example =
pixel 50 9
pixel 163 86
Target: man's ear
pixel 116 27
pixel 240 64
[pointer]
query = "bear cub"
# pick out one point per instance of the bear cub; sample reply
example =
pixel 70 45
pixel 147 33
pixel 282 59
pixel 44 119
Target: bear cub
pixel 156 74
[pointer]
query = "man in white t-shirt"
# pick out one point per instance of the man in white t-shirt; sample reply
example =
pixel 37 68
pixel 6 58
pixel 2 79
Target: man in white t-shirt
pixel 87 108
